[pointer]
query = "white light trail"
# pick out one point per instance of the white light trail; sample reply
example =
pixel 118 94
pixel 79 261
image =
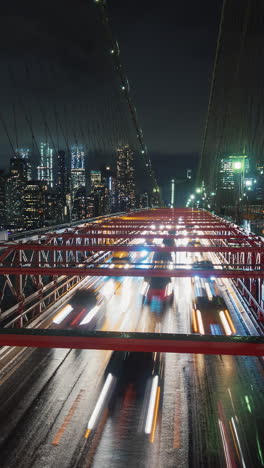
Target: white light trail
pixel 151 408
pixel 62 314
pixel 91 314
pixel 100 402
pixel 200 322
pixel 225 323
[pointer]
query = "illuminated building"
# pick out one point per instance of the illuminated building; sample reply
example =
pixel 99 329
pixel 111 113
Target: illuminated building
pixel 125 178
pixel 45 169
pixel 24 153
pixel 14 192
pixel 62 187
pixel 109 180
pixel 79 210
pixel 78 178
pixel 34 205
pixel 231 178
pixel 101 198
pixel 96 178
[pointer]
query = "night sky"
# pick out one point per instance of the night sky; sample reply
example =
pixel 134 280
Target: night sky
pixel 167 50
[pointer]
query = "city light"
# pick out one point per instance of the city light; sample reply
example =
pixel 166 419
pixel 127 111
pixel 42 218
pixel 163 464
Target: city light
pixel 172 192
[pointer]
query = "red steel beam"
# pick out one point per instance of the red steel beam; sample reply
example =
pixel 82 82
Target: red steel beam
pixel 139 342
pixel 134 248
pixel 133 272
pixel 68 236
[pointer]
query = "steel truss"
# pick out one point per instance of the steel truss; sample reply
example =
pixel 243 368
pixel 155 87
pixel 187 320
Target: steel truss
pixel 36 273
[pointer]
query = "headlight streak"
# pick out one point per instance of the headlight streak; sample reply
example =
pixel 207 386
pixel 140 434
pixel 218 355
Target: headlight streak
pixel 225 445
pixel 230 321
pixel 144 288
pixel 62 314
pixel 200 322
pixel 238 442
pixel 225 323
pixel 208 291
pixel 195 326
pixel 151 408
pixel 100 402
pixel 90 315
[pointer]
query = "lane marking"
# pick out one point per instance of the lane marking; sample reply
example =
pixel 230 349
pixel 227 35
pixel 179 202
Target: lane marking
pixel 66 421
pixel 87 433
pixel 152 435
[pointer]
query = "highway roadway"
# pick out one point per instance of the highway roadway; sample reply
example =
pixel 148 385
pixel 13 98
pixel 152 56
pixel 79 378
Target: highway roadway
pixel 67 408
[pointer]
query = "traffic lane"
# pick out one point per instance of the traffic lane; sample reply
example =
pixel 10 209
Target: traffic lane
pixel 43 420
pixel 40 371
pixel 119 440
pixel 225 397
pixel 129 425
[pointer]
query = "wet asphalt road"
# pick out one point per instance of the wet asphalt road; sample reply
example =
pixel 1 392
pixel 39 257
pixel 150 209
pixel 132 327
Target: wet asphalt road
pixel 209 411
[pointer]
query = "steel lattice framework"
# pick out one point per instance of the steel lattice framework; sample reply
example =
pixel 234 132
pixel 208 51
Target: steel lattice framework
pixel 37 271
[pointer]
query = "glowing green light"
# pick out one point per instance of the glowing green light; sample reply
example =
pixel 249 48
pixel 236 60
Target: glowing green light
pixel 260 451
pixel 248 404
pixel 198 190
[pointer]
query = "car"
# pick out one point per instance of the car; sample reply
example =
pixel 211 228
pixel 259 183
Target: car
pixel 203 265
pixel 121 259
pixel 156 288
pixel 84 309
pixel 162 259
pixel 194 243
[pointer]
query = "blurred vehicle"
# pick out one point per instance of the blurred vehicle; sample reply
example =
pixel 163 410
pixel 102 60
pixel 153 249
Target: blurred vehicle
pixel 203 265
pixel 157 288
pixel 162 259
pixel 194 243
pixel 84 309
pixel 142 254
pixel 149 241
pixel 170 242
pixel 121 259
pixel 132 363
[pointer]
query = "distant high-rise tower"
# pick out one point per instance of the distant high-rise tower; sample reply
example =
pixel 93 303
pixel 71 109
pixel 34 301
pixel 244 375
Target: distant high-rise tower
pixel 62 186
pixel 96 178
pixel 45 169
pixel 14 192
pixel 24 153
pixel 77 167
pixel 62 180
pixel 125 178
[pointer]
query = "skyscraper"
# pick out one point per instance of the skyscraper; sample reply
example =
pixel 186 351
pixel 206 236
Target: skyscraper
pixel 14 192
pixel 24 153
pixel 62 186
pixel 45 169
pixel 77 168
pixel 34 205
pixel 96 178
pixel 125 178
